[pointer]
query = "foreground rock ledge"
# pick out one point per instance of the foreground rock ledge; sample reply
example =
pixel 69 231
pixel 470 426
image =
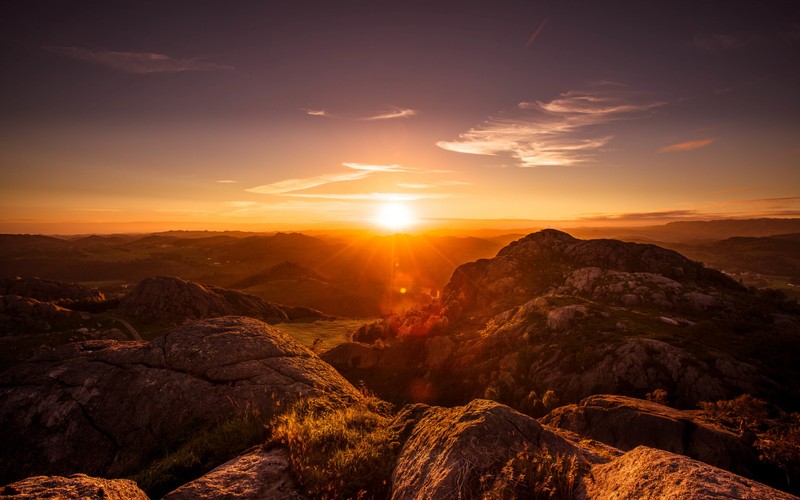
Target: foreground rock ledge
pixel 650 473
pixel 103 407
pixel 77 486
pixel 626 423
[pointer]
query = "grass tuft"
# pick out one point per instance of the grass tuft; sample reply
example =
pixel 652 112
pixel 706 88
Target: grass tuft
pixel 539 475
pixel 339 452
pixel 205 449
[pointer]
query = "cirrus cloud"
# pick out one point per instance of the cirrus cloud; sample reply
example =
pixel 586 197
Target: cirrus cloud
pixel 138 62
pixel 561 132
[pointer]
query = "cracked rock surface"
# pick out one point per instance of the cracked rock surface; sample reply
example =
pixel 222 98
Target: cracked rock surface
pixel 103 407
pixel 76 486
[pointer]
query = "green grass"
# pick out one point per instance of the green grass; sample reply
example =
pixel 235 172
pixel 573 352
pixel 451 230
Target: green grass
pixel 199 451
pixel 340 452
pixel 330 333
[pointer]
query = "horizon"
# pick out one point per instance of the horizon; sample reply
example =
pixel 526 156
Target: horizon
pixel 308 115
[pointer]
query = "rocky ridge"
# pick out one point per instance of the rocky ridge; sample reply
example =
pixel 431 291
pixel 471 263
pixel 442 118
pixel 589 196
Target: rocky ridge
pixel 164 297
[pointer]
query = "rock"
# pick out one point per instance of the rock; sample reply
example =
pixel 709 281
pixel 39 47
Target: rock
pixel 626 423
pixel 24 315
pixel 650 473
pixel 352 355
pixel 550 259
pixel 168 298
pixel 49 290
pixel 450 450
pixel 561 318
pixel 438 350
pixel 259 473
pixel 102 407
pixel 76 486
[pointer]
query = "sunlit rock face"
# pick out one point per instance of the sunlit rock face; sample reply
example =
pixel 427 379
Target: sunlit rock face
pixel 650 473
pixel 164 298
pixel 449 450
pixel 102 407
pixel 75 486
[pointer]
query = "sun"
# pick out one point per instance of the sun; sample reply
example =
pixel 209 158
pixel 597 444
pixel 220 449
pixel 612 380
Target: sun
pixel 394 216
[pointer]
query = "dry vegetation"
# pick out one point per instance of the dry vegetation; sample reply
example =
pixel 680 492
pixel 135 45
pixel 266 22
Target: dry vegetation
pixel 340 452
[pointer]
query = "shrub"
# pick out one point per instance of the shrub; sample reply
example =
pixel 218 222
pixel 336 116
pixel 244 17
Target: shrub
pixel 659 396
pixel 539 475
pixel 743 413
pixel 200 452
pixel 780 446
pixel 339 452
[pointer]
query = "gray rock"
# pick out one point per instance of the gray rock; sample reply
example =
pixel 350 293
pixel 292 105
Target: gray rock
pixel 102 407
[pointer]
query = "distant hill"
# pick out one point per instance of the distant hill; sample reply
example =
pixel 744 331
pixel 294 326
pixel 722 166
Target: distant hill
pixel 694 231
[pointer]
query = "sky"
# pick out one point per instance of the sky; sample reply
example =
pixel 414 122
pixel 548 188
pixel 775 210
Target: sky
pixel 299 114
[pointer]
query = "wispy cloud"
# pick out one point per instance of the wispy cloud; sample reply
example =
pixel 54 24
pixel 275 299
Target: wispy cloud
pixel 227 181
pixel 138 62
pixel 372 196
pixel 393 112
pixel 560 132
pixel 356 171
pixel 643 216
pixel 686 146
pixel 717 43
pixel 298 187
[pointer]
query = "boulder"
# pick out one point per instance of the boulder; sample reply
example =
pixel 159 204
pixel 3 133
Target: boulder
pixel 24 315
pixel 259 473
pixel 76 486
pixel 450 450
pixel 649 473
pixel 166 298
pixel 49 290
pixel 626 423
pixel 353 355
pixel 103 407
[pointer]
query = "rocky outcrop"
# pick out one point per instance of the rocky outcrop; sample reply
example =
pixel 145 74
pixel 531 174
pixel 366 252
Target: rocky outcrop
pixel 626 423
pixel 49 290
pixel 650 473
pixel 76 486
pixel 579 317
pixel 165 298
pixel 23 315
pixel 544 260
pixel 259 473
pixel 450 450
pixel 102 407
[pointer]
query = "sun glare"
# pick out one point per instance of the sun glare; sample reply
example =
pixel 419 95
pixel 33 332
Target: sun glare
pixel 394 216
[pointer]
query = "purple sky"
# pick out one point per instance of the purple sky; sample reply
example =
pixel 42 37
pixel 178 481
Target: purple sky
pixel 234 114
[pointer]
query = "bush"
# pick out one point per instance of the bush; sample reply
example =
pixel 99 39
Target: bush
pixel 659 396
pixel 780 446
pixel 339 452
pixel 743 413
pixel 539 475
pixel 200 452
